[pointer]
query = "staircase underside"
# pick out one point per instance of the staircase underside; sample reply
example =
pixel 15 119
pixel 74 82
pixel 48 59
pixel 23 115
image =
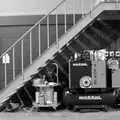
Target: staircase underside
pixel 91 32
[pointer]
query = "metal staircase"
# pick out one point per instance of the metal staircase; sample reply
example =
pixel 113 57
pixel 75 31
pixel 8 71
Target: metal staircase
pixel 18 51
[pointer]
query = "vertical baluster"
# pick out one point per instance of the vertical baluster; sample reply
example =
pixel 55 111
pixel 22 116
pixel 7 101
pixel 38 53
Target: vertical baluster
pixel 57 32
pixel 74 12
pixel 73 18
pixel 117 3
pixel 13 55
pixel 65 17
pixel 48 42
pixel 69 75
pixel 5 82
pixel 22 58
pixel 82 13
pixel 30 47
pixel 39 35
pixel 57 72
pixel 91 7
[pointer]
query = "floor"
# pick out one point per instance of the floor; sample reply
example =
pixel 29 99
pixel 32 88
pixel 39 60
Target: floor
pixel 61 115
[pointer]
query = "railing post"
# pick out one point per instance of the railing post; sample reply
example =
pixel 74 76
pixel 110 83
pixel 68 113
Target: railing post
pixel 5 82
pixel 69 75
pixel 117 3
pixel 39 35
pixel 31 47
pixel 48 41
pixel 91 7
pixel 73 18
pixel 65 17
pixel 22 59
pixel 57 32
pixel 74 12
pixel 57 72
pixel 82 11
pixel 13 55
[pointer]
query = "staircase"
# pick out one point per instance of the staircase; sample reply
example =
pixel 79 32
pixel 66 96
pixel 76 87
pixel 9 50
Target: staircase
pixel 51 50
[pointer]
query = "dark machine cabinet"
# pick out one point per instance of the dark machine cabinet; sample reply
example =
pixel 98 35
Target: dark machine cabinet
pixel 80 74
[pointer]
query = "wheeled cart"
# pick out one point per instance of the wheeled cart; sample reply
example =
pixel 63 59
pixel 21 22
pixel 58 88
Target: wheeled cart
pixel 47 96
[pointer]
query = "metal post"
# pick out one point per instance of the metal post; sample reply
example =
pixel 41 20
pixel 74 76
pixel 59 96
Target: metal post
pixel 57 73
pixel 74 12
pixel 13 63
pixel 57 32
pixel 69 75
pixel 117 3
pixel 5 82
pixel 74 19
pixel 31 47
pixel 22 58
pixel 81 8
pixel 39 35
pixel 48 41
pixel 91 7
pixel 65 18
pixel 73 9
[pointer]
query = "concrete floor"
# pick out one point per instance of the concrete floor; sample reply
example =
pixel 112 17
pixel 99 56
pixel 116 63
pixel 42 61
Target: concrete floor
pixel 60 115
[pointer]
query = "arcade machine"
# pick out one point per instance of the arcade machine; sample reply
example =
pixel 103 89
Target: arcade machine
pixel 93 80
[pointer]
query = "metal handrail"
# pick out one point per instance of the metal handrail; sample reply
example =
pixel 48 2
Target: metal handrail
pixel 39 21
pixel 27 32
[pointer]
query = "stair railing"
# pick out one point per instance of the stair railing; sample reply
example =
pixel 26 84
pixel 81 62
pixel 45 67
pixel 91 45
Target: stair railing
pixel 38 39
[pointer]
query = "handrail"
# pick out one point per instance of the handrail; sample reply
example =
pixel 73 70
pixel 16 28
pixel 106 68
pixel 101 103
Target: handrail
pixel 27 32
pixel 39 21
